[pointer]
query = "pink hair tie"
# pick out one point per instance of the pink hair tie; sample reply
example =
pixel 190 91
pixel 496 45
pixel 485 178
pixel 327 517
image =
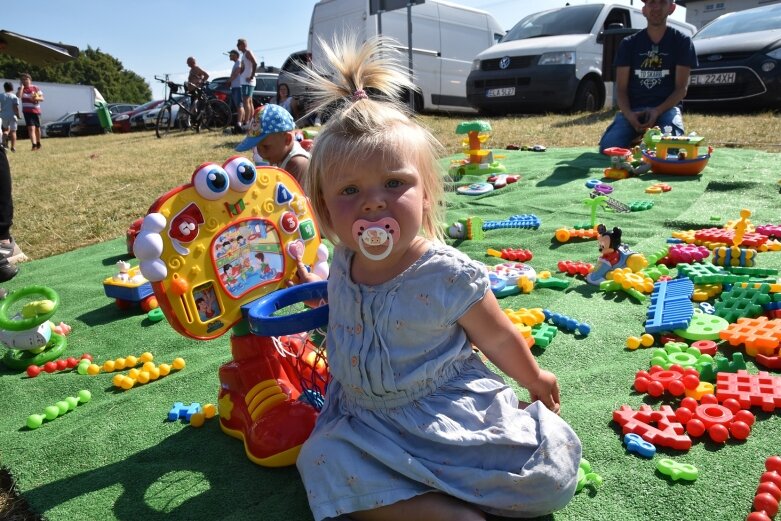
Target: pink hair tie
pixel 360 94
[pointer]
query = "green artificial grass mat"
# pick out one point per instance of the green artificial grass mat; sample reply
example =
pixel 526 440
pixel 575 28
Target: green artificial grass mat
pixel 117 457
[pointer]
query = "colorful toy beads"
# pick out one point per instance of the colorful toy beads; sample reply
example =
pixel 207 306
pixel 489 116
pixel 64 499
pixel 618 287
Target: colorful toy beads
pixel 119 364
pixel 56 365
pixel 768 492
pixel 146 374
pixel 55 411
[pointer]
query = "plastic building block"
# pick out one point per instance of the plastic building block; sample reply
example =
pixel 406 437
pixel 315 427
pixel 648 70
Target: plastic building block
pixel 55 411
pixel 627 279
pixel 706 347
pixel 753 271
pixel 603 189
pixel 734 256
pixel 185 412
pixel 706 307
pixel 722 364
pixel 634 443
pixel 726 236
pixel 575 267
pixel 708 273
pixel 760 335
pixel 706 291
pixel 566 323
pixel 661 427
pixel 675 380
pixel 720 421
pixel 750 390
pixel 634 342
pixel 511 254
pixel 586 477
pixel 640 206
pixel 658 255
pixel 677 470
pixel 543 334
pixel 567 234
pixel 740 302
pixel 679 354
pixel 770 230
pixel 703 327
pixel 502 180
pixel 768 494
pixel 671 306
pixel 527 317
pixel 687 253
pixel 546 280
pixel 526 221
pixel 656 272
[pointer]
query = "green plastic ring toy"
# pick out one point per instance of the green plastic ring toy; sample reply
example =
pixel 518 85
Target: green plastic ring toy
pixel 24 324
pixel 20 360
pixel 155 315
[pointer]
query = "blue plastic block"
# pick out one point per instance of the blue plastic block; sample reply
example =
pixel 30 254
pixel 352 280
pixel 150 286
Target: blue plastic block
pixel 635 443
pixel 180 410
pixel 528 221
pixel 671 307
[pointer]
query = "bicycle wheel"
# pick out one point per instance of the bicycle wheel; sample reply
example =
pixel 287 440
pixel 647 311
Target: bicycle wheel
pixel 165 123
pixel 216 115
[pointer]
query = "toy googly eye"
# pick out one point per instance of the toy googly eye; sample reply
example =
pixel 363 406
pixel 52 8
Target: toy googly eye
pixel 241 172
pixel 211 181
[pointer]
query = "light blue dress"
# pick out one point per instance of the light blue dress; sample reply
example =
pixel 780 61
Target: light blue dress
pixel 412 409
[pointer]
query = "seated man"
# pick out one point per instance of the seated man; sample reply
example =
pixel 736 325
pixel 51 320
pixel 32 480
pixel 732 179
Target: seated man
pixel 652 76
pixel 271 137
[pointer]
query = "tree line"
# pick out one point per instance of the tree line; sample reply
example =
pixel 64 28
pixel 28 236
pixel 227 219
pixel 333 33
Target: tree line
pixel 92 67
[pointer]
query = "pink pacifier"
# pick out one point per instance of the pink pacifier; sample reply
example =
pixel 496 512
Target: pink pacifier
pixel 376 234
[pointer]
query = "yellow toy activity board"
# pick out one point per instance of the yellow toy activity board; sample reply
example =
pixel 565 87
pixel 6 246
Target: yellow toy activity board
pixel 230 236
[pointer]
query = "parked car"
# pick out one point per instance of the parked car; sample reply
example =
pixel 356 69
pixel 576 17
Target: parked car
pixel 265 88
pixel 291 74
pixel 122 122
pixel 739 57
pixel 119 108
pixel 149 117
pixel 86 124
pixel 58 128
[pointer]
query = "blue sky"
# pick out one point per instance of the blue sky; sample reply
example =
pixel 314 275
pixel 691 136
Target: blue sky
pixel 156 37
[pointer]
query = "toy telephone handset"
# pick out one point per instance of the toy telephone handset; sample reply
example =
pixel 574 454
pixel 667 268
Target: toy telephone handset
pixel 230 236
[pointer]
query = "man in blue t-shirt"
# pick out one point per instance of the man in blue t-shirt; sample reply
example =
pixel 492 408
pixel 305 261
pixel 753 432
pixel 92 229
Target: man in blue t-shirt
pixel 652 75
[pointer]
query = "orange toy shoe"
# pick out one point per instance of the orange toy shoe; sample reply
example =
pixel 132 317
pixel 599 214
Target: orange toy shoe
pixel 258 403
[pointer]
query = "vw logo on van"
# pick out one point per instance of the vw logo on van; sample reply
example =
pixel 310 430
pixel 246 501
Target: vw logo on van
pixel 504 62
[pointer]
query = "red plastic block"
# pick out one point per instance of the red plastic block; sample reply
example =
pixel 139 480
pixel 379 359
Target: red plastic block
pixel 721 422
pixel 516 254
pixel 771 230
pixel 760 390
pixel 575 267
pixel 667 432
pixel 725 236
pixel 675 380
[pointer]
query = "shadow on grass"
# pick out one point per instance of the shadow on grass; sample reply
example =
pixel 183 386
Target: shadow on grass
pixel 172 481
pixel 577 168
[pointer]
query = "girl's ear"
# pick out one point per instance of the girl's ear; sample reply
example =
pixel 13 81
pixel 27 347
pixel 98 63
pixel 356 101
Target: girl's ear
pixel 673 5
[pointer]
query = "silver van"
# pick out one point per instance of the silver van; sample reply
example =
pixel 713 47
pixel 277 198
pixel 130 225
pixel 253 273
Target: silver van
pixel 552 60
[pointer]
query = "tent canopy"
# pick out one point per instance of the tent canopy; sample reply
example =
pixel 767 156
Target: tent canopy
pixel 35 51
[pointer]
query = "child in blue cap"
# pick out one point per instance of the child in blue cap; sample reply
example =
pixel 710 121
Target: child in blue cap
pixel 272 138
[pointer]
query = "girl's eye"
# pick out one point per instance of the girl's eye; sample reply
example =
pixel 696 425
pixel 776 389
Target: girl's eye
pixel 394 183
pixel 350 190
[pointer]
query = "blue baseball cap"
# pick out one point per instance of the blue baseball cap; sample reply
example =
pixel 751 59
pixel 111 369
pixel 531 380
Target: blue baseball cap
pixel 269 119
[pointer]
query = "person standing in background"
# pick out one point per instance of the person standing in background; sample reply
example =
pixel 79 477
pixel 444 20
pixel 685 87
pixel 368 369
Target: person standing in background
pixel 236 102
pixel 9 113
pixel 248 67
pixel 31 97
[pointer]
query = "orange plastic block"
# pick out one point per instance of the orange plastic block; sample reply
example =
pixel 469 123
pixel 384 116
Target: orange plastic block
pixel 761 389
pixel 760 335
pixel 658 427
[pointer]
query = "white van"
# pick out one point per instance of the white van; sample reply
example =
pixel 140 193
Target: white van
pixel 445 39
pixel 552 60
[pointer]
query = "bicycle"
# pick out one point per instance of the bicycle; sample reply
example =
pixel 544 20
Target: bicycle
pixel 204 112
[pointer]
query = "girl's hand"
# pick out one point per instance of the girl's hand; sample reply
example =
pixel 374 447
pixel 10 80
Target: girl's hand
pixel 546 390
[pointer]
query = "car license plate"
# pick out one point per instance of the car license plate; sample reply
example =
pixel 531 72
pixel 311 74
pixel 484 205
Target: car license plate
pixel 500 93
pixel 719 78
